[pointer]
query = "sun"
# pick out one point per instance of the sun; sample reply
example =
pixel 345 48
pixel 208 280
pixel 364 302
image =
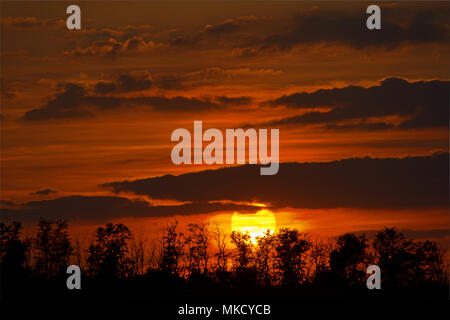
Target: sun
pixel 256 224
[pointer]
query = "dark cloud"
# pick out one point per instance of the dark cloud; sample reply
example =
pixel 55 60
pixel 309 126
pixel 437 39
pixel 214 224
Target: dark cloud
pixel 227 26
pixel 104 87
pixel 64 105
pixel 169 82
pixel 239 30
pixel 120 33
pixel 129 83
pixel 124 83
pixel 8 95
pixel 101 208
pixel 178 103
pixel 74 101
pixel 234 100
pixel 44 192
pixel 7 204
pixel 399 26
pixel 411 182
pixel 30 22
pixel 361 126
pixel 112 47
pixel 422 104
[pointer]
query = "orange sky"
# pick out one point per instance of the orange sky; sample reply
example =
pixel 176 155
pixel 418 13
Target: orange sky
pixel 200 51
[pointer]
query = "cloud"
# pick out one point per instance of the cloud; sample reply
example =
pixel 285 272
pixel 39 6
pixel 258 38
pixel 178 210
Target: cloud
pixel 74 101
pixel 44 192
pixel 121 33
pixel 112 47
pixel 227 26
pixel 360 126
pixel 101 208
pixel 127 83
pixel 104 87
pixel 411 182
pixel 234 30
pixel 243 100
pixel 7 204
pixel 420 104
pixel 31 22
pixel 7 95
pixel 322 26
pixel 169 82
pixel 124 83
pixel 64 105
pixel 218 75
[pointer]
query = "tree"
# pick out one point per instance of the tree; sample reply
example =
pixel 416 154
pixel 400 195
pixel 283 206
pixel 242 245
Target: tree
pixel 137 254
pixel 243 256
pixel 290 246
pixel 395 254
pixel 245 273
pixel 348 261
pixel 107 255
pixel 404 262
pixel 196 240
pixel 265 258
pixel 53 247
pixel 12 255
pixel 318 269
pixel 172 249
pixel 222 254
pixel 430 267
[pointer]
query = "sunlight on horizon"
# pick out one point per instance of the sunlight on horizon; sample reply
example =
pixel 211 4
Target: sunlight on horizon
pixel 256 224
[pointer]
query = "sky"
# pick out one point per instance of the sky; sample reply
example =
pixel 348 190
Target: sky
pixel 87 115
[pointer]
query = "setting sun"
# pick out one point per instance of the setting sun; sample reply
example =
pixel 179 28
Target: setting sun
pixel 256 224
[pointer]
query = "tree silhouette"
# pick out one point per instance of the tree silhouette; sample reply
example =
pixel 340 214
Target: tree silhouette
pixel 320 261
pixel 245 274
pixel 137 255
pixel 429 267
pixel 196 240
pixel 12 256
pixel 285 261
pixel 221 254
pixel 290 247
pixel 221 275
pixel 107 255
pixel 404 262
pixel 243 255
pixel 348 261
pixel 265 258
pixel 53 246
pixel 172 249
pixel 395 254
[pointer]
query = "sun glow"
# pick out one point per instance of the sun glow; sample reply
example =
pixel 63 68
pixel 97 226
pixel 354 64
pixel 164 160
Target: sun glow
pixel 256 224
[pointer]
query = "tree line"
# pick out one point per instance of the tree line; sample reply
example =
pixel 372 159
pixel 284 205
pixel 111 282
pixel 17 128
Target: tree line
pixel 204 255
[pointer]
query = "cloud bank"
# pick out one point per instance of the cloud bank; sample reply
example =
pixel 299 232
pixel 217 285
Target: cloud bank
pixel 411 182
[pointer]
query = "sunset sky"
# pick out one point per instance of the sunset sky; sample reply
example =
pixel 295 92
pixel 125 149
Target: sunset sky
pixel 87 115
